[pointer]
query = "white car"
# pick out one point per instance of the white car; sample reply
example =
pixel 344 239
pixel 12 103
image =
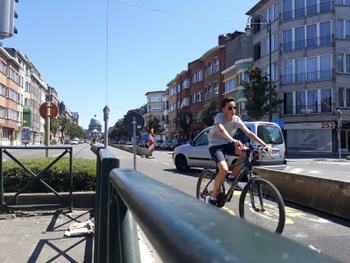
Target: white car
pixel 74 141
pixel 196 153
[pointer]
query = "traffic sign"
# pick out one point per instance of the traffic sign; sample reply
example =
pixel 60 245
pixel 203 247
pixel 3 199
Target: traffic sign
pixel 129 119
pixel 151 142
pixel 53 110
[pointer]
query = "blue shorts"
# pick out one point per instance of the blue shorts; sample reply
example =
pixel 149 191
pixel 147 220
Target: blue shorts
pixel 218 152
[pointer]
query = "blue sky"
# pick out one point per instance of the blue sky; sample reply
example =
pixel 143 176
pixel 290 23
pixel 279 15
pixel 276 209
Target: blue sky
pixel 98 53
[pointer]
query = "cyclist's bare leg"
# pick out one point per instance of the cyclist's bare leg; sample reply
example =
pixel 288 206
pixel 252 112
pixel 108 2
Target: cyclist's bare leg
pixel 237 168
pixel 223 170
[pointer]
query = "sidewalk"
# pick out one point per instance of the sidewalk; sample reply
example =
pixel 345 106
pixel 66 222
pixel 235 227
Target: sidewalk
pixel 39 237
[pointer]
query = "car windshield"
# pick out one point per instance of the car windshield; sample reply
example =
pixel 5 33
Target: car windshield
pixel 270 134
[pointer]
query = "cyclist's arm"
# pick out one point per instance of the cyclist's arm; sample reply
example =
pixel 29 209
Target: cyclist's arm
pixel 227 136
pixel 255 138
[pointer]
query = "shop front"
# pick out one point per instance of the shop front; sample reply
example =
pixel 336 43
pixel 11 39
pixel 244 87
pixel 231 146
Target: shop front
pixel 315 137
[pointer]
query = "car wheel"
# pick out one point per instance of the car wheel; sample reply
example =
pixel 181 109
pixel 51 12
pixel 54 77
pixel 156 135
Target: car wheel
pixel 181 163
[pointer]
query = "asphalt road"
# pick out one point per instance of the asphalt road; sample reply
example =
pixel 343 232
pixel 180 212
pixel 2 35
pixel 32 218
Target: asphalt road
pixel 327 234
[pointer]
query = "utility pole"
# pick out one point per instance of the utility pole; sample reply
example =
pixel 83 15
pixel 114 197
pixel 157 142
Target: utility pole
pixel 339 121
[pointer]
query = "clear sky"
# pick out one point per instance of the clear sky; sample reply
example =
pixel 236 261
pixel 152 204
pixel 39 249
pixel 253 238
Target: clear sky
pixel 107 52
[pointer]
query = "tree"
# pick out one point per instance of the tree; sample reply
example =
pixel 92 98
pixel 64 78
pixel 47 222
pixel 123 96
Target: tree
pixel 63 122
pixel 153 122
pixel 257 94
pixel 54 126
pixel 118 131
pixel 208 113
pixel 183 121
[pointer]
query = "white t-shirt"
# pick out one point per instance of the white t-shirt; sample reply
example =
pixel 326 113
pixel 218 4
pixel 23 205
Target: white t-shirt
pixel 215 137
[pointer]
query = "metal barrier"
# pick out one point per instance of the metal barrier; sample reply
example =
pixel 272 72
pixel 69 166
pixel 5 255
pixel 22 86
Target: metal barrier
pixel 180 227
pixel 5 206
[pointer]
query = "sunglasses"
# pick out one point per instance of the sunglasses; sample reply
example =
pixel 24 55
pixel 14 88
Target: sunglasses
pixel 230 108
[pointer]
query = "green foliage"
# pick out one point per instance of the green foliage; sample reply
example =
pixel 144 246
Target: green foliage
pixel 57 177
pixel 183 121
pixel 208 113
pixel 257 94
pixel 152 122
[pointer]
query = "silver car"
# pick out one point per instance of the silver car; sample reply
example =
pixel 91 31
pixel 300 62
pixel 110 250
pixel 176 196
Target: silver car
pixel 196 154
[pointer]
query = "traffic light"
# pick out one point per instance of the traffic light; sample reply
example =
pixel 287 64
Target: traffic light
pixel 7 16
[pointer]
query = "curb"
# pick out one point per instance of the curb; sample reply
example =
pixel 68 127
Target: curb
pixel 326 195
pixel 80 199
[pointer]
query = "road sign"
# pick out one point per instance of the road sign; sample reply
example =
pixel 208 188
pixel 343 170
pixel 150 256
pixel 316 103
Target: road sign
pixel 151 142
pixel 53 110
pixel 128 122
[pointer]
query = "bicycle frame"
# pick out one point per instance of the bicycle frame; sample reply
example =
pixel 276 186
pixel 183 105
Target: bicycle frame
pixel 247 167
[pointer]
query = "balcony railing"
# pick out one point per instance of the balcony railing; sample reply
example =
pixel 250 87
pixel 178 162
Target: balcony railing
pixel 307 43
pixel 307 109
pixel 307 77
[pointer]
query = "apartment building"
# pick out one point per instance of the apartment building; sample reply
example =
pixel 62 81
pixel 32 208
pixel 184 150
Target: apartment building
pixel 155 106
pixel 10 114
pixel 310 61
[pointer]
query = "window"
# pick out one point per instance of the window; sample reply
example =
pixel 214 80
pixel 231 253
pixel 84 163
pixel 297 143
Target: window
pixel 230 85
pixel 343 2
pixel 194 98
pixel 309 101
pixel 216 65
pixel 287 9
pixel 288 103
pixel 210 68
pixel 215 89
pixel 199 96
pixel 311 35
pixel 210 91
pixel 311 7
pixel 299 8
pixel 344 97
pixel 196 77
pixel 186 84
pixel 325 33
pixel 344 29
pixel 299 38
pixel 287 70
pixel 326 100
pixel 343 61
pixel 287 40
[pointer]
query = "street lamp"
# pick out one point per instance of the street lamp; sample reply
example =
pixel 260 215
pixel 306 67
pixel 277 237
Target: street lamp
pixel 248 31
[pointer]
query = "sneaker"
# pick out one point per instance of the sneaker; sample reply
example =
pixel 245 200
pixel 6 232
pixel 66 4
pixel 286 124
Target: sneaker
pixel 239 187
pixel 213 201
pixel 231 179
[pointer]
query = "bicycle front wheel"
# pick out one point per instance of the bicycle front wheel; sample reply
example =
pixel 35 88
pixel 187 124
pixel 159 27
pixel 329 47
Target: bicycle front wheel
pixel 261 203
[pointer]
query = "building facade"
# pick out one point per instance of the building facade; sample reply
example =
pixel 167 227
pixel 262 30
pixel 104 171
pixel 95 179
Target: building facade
pixel 310 68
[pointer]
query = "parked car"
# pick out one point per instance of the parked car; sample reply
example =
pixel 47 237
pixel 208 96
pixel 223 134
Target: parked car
pixel 74 141
pixel 67 141
pixel 158 143
pixel 165 145
pixel 176 142
pixel 196 154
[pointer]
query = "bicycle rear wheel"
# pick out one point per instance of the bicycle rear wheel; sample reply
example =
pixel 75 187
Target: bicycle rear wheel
pixel 261 203
pixel 205 185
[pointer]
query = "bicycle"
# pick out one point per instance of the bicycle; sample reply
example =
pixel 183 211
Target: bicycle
pixel 260 202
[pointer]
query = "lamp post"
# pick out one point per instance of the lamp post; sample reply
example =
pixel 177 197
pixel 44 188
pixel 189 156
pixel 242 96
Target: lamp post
pixel 248 31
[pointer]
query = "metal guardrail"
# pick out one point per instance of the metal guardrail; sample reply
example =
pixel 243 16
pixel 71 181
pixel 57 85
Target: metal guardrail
pixel 63 202
pixel 180 227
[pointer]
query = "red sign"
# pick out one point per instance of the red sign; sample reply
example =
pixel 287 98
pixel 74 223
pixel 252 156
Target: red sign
pixel 53 110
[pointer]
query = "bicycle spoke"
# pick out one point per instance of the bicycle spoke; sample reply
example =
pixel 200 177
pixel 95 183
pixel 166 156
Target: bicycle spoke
pixel 261 204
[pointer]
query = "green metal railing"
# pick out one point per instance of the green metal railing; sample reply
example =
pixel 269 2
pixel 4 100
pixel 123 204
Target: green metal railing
pixel 180 227
pixel 62 202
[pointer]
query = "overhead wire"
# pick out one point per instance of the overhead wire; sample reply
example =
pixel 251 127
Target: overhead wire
pixel 176 14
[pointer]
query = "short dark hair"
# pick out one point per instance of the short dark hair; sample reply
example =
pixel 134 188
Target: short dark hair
pixel 226 100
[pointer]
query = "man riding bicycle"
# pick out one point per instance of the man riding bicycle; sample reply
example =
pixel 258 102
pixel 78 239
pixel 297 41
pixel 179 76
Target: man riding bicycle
pixel 221 142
